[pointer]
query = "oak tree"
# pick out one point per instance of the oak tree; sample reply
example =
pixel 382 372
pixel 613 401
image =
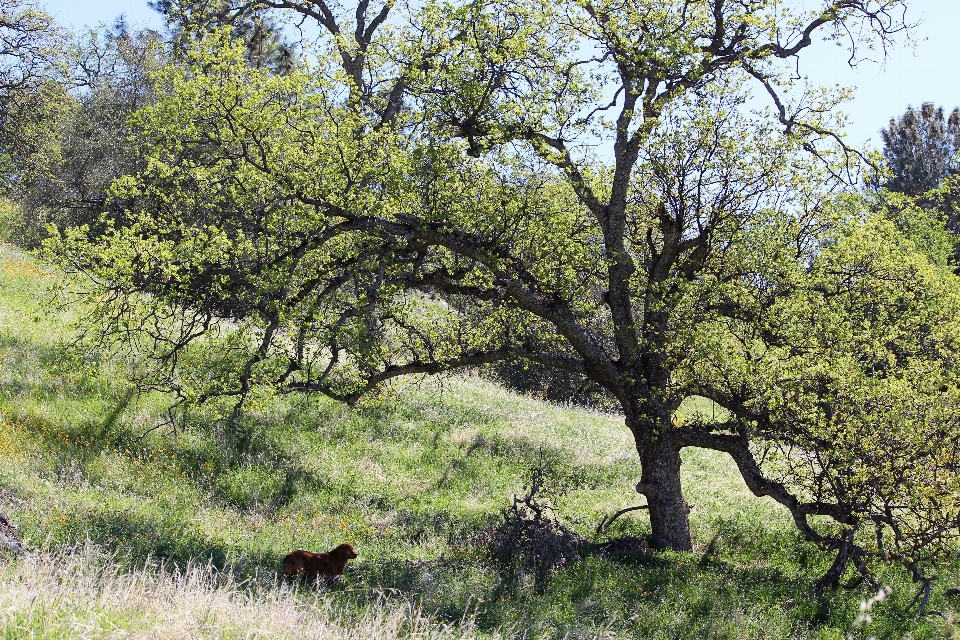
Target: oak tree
pixel 576 185
pixel 28 36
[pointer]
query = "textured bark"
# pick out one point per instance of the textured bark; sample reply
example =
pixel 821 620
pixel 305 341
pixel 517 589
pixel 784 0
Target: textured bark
pixel 660 483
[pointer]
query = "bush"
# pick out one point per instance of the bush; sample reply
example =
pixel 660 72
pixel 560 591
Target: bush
pixel 530 536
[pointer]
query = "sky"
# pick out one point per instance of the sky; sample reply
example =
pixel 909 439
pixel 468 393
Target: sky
pixel 928 73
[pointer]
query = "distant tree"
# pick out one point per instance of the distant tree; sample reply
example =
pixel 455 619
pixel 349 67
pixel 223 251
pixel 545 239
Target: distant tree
pixel 267 46
pixel 29 40
pixel 550 384
pixel 73 141
pixel 28 36
pixel 920 148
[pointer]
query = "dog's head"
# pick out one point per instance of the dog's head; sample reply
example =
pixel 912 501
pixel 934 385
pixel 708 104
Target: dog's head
pixel 345 550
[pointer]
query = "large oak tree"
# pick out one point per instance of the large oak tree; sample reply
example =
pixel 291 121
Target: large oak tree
pixel 577 185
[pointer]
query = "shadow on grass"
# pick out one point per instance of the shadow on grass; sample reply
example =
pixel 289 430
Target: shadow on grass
pixel 419 412
pixel 252 471
pixel 584 595
pixel 50 370
pixel 518 449
pixel 692 593
pixel 135 539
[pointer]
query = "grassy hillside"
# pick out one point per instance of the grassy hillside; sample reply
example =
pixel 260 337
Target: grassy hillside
pixel 149 532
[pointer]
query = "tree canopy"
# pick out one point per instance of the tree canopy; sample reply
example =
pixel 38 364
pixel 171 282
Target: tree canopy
pixel 69 140
pixel 576 185
pixel 920 153
pixel 27 38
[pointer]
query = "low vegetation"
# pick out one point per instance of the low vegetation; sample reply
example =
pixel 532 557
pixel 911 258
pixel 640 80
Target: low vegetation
pixel 84 593
pixel 138 530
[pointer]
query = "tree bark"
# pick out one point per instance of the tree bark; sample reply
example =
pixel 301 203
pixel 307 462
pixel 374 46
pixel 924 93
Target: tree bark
pixel 660 483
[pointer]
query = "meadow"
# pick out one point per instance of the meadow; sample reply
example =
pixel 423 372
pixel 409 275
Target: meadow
pixel 139 531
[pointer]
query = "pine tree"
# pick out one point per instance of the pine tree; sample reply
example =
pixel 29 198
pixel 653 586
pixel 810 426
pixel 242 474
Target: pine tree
pixel 920 148
pixel 267 46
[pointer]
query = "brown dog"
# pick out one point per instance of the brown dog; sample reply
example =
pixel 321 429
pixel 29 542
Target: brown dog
pixel 314 565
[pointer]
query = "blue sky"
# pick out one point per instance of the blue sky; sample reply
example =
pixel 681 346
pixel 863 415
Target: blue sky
pixel 930 72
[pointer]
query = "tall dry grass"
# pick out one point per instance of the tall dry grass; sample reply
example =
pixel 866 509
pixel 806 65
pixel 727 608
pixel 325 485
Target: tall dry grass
pixel 88 594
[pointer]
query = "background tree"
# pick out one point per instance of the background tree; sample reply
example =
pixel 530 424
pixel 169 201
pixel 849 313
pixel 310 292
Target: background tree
pixel 920 148
pixel 28 36
pixel 920 152
pixel 427 196
pixel 72 142
pixel 267 45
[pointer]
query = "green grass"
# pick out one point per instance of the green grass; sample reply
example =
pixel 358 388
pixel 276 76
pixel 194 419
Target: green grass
pixel 120 514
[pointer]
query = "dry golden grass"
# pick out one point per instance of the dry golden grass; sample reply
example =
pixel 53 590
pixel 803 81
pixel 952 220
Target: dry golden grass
pixel 85 594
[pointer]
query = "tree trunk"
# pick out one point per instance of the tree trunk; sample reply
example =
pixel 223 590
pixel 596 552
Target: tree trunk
pixel 660 483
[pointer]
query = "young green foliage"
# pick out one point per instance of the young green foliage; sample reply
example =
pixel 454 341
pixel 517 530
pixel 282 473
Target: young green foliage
pixel 425 196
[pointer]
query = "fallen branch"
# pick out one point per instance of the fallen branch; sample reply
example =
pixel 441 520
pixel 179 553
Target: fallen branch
pixel 605 522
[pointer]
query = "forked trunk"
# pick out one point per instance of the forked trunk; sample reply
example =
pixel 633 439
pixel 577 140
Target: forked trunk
pixel 660 483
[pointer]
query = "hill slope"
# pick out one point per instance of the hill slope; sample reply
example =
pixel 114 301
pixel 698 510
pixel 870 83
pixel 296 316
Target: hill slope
pixel 134 528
